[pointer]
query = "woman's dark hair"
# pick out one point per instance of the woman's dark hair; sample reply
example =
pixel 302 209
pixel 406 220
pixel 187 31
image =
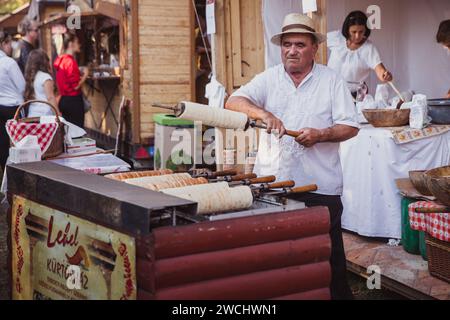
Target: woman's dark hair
pixel 355 18
pixel 443 35
pixel 4 37
pixel 68 38
pixel 37 61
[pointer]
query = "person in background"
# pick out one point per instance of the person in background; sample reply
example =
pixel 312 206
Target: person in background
pixel 353 55
pixel 29 29
pixel 39 84
pixel 443 37
pixel 12 86
pixel 69 81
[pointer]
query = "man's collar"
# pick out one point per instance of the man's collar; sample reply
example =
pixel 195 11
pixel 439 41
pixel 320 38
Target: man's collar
pixel 307 77
pixel 2 54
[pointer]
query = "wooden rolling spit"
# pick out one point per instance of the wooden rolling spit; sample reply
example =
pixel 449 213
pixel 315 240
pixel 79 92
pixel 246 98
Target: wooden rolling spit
pixel 215 117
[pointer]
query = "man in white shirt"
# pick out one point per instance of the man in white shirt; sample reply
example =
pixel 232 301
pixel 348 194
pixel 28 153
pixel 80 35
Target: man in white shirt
pixel 311 98
pixel 12 87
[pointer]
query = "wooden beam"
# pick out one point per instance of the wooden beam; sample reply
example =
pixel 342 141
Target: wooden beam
pixel 135 71
pixel 320 22
pixel 111 10
pixel 193 70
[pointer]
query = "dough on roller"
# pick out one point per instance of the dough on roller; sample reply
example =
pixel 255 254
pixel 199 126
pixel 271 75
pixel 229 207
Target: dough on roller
pixel 215 198
pixel 176 184
pixel 145 182
pixel 137 174
pixel 214 117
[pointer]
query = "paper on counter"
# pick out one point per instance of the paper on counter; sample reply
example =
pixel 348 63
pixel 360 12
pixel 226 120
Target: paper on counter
pixel 74 130
pixel 98 163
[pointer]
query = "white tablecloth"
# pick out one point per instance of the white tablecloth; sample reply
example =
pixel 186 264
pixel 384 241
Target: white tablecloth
pixel 371 163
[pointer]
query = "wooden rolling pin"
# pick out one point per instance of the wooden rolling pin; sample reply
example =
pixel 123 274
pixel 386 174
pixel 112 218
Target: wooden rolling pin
pixel 180 108
pixel 248 182
pixel 303 189
pixel 433 210
pixel 290 133
pixel 276 185
pixel 235 178
pixel 215 174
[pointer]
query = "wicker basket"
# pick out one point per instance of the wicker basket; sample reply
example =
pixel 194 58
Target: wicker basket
pixel 438 258
pixel 57 145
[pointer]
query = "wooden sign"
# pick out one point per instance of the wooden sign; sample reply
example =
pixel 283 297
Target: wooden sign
pixel 59 256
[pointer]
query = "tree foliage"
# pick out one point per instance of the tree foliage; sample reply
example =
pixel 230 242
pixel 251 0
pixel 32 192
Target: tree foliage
pixel 8 6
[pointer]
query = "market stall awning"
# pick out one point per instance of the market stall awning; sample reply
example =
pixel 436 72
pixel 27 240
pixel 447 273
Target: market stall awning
pixel 13 19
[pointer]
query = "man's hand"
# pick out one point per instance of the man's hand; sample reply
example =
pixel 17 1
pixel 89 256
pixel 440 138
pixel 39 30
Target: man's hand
pixel 387 76
pixel 309 137
pixel 273 123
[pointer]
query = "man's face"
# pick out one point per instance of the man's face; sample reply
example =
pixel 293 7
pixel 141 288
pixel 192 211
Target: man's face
pixel 298 51
pixel 33 32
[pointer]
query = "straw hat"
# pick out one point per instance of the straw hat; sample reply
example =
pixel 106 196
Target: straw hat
pixel 297 23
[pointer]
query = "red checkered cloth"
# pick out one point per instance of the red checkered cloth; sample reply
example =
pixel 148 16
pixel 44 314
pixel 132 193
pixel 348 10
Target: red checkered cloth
pixel 44 132
pixel 436 224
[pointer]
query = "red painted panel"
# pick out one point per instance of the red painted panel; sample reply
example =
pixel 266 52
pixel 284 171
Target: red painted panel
pixel 219 264
pixel 235 233
pixel 260 285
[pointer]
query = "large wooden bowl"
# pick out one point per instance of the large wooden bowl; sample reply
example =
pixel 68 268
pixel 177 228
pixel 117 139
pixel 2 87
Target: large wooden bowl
pixel 419 182
pixel 387 117
pixel 438 182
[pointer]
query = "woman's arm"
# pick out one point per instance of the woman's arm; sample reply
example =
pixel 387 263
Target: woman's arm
pixel 85 72
pixel 382 73
pixel 50 94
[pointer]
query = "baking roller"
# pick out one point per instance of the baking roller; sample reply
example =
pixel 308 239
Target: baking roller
pixel 215 117
pixel 213 174
pixel 235 178
pixel 252 181
pixel 289 190
pixel 432 210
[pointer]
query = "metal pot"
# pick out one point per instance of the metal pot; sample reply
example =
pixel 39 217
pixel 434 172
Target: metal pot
pixel 439 110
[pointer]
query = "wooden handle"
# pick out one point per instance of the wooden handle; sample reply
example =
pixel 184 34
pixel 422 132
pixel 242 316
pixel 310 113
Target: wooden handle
pixel 23 105
pixel 304 189
pixel 292 133
pixel 396 90
pixel 267 179
pixel 216 174
pixel 240 177
pixel 432 210
pixel 281 184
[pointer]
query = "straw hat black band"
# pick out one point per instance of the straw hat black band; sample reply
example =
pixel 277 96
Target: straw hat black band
pixel 297 26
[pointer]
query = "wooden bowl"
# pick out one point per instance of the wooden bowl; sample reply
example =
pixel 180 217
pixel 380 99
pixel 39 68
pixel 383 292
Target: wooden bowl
pixel 438 182
pixel 387 117
pixel 418 179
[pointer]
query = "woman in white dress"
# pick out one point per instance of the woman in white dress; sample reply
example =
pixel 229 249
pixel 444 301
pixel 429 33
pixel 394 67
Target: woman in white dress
pixel 353 55
pixel 39 84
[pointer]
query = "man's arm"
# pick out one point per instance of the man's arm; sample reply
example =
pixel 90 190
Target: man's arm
pixel 244 105
pixel 309 137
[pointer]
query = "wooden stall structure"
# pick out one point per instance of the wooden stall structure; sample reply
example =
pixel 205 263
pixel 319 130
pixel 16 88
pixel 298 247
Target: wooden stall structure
pixel 9 22
pixel 117 237
pixel 157 57
pixel 156 46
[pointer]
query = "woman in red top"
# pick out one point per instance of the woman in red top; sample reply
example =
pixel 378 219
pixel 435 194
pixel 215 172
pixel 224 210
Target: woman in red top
pixel 69 81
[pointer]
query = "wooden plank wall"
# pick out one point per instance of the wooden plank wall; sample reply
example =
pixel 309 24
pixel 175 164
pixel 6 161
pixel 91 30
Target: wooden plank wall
pixel 166 36
pixel 94 116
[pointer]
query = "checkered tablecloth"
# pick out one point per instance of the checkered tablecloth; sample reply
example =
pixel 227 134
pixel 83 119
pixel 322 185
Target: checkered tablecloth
pixel 436 224
pixel 44 132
